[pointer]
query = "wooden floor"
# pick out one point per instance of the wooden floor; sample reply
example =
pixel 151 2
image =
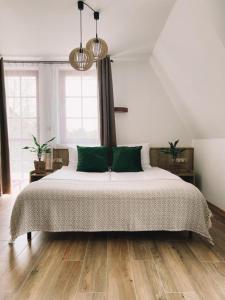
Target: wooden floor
pixel 111 266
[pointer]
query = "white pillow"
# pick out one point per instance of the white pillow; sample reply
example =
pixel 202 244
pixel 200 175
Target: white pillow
pixel 145 156
pixel 73 157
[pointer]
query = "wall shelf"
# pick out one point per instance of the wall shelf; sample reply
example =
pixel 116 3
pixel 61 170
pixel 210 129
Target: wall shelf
pixel 120 109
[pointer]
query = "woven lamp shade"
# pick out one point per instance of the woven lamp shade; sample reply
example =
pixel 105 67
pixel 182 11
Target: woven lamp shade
pixel 98 48
pixel 81 59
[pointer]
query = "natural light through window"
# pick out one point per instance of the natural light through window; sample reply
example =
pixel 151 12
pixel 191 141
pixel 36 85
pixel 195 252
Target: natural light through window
pixel 21 92
pixel 72 116
pixel 79 111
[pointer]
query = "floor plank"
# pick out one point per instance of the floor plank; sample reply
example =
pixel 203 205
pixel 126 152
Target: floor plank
pixel 219 239
pixel 91 296
pixel 18 267
pixel 204 252
pixel 201 280
pixel 93 277
pixel 76 249
pixel 182 296
pixel 217 273
pixel 64 282
pixel 147 282
pixel 173 273
pixel 140 248
pixel 120 282
pixel 40 281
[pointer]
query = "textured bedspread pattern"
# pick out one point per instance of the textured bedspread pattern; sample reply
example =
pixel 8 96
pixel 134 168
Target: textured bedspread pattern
pixel 159 201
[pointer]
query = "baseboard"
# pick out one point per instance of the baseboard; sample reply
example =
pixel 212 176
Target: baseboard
pixel 218 210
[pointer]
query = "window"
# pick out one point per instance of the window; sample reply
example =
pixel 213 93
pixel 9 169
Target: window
pixel 21 92
pixel 79 107
pixel 68 106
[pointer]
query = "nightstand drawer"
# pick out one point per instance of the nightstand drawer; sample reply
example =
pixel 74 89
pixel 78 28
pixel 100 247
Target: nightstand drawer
pixel 188 177
pixel 35 177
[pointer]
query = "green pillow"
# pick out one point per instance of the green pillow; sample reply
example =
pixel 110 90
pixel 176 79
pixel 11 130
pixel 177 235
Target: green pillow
pixel 126 159
pixel 92 159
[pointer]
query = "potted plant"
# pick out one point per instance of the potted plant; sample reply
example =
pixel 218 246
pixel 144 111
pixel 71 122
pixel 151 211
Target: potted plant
pixel 174 152
pixel 40 150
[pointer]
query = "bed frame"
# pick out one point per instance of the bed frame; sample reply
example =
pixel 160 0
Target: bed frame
pixel 157 158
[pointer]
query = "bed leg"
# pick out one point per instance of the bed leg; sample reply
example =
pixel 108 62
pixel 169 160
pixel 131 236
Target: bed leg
pixel 190 235
pixel 29 236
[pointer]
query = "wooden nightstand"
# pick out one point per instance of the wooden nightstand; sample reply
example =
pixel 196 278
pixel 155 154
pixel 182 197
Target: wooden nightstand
pixel 34 176
pixel 187 176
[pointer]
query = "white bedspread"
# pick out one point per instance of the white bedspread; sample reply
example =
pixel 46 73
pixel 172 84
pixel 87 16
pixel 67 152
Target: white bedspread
pixel 75 201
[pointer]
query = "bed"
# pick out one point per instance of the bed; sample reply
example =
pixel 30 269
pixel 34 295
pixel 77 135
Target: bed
pixel 152 200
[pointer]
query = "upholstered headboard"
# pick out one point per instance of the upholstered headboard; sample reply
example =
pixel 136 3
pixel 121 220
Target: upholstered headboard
pixel 157 158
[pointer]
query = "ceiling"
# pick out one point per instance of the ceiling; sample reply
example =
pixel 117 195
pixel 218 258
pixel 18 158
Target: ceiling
pixel 50 28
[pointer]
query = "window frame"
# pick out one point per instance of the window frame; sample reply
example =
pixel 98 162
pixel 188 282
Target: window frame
pixel 23 73
pixel 62 106
pixel 27 73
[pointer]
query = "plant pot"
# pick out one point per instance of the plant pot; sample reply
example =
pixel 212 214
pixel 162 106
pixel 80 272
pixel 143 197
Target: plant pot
pixel 39 167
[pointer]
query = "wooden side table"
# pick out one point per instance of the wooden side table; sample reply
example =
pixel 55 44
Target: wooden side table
pixel 34 176
pixel 187 176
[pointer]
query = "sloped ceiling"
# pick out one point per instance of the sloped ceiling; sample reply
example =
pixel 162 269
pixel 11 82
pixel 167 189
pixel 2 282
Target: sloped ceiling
pixel 189 58
pixel 50 28
pixel 216 11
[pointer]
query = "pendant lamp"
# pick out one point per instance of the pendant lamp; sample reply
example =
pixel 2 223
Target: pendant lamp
pixel 81 58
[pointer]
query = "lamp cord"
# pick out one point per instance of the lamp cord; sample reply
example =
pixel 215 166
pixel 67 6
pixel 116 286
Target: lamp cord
pixel 80 29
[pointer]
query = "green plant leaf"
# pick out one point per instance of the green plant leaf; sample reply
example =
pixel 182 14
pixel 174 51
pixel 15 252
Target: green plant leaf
pixel 48 150
pixel 165 151
pixel 35 141
pixel 176 142
pixel 44 146
pixel 48 141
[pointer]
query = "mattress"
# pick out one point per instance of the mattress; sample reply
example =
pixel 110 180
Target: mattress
pixel 151 200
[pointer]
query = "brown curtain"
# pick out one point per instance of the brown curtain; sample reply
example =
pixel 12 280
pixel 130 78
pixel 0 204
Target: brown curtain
pixel 106 103
pixel 4 142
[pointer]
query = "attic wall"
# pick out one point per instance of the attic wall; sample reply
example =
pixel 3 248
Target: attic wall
pixel 192 57
pixel 210 171
pixel 150 117
pixel 189 59
pixel 216 10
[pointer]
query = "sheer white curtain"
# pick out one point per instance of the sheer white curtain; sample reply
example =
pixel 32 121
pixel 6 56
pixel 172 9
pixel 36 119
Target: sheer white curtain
pixel 59 104
pixel 48 95
pixel 23 119
pixel 49 105
pixel 68 105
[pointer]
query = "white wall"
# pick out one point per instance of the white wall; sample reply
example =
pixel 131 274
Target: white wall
pixel 191 55
pixel 216 10
pixel 210 169
pixel 151 116
pixel 189 59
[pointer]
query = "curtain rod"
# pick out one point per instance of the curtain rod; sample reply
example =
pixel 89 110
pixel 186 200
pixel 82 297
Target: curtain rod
pixel 38 61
